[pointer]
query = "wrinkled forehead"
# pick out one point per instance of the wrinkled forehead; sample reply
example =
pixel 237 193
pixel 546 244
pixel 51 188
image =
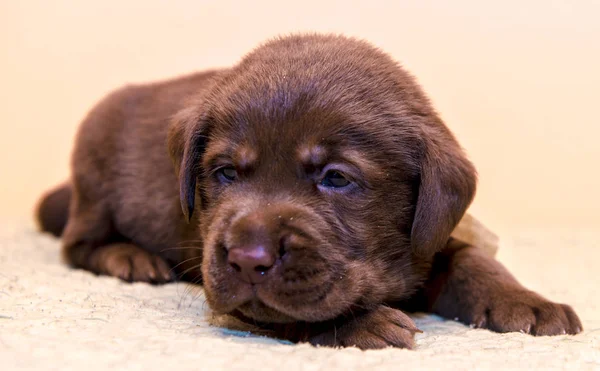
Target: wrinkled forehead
pixel 312 137
pixel 295 115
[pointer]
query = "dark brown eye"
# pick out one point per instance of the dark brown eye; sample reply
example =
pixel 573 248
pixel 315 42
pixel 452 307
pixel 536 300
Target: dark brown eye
pixel 334 179
pixel 227 174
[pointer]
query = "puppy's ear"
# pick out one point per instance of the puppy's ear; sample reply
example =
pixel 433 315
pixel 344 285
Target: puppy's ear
pixel 447 187
pixel 186 143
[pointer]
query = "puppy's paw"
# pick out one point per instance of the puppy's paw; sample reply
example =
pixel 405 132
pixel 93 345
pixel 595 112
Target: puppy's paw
pixel 381 328
pixel 524 311
pixel 130 263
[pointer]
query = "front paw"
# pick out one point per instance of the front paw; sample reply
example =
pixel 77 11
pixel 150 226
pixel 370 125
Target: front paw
pixel 130 263
pixel 513 310
pixel 381 328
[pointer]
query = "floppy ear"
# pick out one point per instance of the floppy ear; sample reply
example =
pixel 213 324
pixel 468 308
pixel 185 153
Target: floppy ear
pixel 186 143
pixel 447 187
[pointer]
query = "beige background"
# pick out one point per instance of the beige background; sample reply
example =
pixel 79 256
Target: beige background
pixel 517 81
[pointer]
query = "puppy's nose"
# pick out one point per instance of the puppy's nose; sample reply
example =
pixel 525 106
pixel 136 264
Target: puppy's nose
pixel 251 262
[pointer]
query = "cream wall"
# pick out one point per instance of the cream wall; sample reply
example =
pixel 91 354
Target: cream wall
pixel 517 81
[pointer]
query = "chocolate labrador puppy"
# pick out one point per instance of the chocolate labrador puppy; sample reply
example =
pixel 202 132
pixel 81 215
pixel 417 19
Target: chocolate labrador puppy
pixel 312 190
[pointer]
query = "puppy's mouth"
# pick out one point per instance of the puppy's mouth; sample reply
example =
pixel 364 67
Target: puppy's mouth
pixel 257 310
pixel 275 302
pixel 302 289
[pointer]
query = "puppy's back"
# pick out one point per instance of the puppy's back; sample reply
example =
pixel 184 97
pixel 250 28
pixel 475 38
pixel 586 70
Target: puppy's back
pixel 120 158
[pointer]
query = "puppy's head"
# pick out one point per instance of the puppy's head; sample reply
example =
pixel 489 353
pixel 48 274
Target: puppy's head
pixel 321 179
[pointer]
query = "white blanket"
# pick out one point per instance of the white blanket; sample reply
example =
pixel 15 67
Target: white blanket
pixel 54 317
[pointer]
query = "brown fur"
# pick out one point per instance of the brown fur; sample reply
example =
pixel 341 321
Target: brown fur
pixel 336 264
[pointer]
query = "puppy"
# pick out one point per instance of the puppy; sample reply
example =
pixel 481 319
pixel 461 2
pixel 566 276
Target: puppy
pixel 312 190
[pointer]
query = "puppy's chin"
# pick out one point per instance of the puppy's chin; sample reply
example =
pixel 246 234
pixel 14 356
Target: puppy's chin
pixel 260 304
pixel 242 299
pixel 256 310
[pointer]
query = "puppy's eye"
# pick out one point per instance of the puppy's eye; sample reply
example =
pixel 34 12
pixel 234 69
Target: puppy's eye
pixel 227 174
pixel 334 179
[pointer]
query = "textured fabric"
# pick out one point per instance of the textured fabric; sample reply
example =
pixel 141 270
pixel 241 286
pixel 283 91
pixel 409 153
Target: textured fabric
pixel 55 317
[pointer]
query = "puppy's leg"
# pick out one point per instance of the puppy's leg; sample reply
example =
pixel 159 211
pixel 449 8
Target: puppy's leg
pixel 375 329
pixel 468 285
pixel 87 244
pixel 129 263
pixel 380 328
